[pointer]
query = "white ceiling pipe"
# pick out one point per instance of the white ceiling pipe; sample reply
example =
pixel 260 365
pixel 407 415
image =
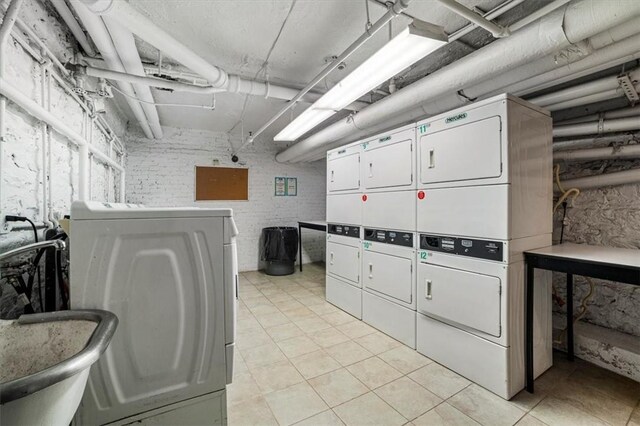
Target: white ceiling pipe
pixel 616 113
pixel 614 34
pixel 103 42
pixel 125 45
pixel 471 16
pixel 571 23
pixel 598 181
pixel 596 127
pixel 66 15
pixel 574 92
pixel 493 13
pixel 592 141
pixel 620 52
pixel 148 81
pixel 37 111
pixel 586 100
pixel 545 10
pixel 142 26
pixel 607 153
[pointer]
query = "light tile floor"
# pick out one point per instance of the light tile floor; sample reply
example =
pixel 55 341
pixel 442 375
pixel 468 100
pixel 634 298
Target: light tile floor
pixel 300 360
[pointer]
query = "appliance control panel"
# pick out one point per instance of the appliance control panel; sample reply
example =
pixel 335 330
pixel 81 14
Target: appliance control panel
pixel 398 238
pixel 345 230
pixel 482 249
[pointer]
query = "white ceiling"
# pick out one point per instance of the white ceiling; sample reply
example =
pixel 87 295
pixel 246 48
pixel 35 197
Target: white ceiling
pixel 237 35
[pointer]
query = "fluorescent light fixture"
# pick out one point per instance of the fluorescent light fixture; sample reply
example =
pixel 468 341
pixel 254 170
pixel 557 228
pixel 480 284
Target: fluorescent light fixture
pixel 414 43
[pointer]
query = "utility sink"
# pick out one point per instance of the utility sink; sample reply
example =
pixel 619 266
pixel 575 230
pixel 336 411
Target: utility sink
pixel 44 363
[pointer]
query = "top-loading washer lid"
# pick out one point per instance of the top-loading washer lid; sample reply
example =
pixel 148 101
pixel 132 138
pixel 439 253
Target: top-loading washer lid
pixel 91 210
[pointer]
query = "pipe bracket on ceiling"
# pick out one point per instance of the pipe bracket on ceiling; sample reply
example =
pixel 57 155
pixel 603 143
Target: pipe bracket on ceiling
pixel 628 88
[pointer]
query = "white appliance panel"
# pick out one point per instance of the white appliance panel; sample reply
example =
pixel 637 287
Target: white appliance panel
pixel 469 211
pixel 397 321
pixel 463 297
pixel 344 208
pixel 390 210
pixel 389 166
pixel 165 280
pixel 389 275
pixel 343 173
pixel 468 151
pixel 344 295
pixel 479 360
pixel 344 261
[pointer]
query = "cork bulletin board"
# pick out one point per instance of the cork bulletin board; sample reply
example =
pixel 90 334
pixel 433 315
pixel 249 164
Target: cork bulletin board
pixel 221 183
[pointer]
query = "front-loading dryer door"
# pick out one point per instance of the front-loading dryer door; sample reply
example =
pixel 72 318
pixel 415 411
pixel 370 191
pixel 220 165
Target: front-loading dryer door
pixel 164 280
pixel 467 298
pixel 388 275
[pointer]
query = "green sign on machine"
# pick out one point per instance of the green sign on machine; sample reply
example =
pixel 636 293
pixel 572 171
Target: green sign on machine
pixel 457 117
pixel 423 128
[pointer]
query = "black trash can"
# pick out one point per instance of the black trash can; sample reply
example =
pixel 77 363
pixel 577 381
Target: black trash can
pixel 278 249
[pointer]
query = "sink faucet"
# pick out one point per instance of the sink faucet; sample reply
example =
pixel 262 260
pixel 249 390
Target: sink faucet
pixel 57 244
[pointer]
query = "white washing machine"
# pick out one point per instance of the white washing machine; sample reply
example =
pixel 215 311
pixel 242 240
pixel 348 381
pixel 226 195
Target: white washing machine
pixel 344 199
pixel 343 285
pixel 388 282
pixel 471 310
pixel 170 275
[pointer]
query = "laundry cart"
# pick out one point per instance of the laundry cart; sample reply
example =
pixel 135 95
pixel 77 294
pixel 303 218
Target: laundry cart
pixel 484 196
pixel 170 275
pixel 344 219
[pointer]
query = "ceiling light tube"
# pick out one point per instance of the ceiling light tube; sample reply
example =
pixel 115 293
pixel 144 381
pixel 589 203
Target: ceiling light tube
pixel 414 43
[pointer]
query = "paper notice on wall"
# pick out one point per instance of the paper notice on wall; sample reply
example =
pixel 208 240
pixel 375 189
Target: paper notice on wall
pixel 281 187
pixel 286 187
pixel 292 187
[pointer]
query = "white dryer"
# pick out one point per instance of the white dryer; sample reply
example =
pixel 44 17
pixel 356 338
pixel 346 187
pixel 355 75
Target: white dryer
pixel 344 287
pixel 344 203
pixel 388 282
pixel 471 310
pixel 388 175
pixel 170 275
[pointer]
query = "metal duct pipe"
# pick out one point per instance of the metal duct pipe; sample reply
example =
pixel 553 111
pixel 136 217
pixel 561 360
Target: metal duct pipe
pixel 67 16
pixel 144 80
pixel 587 142
pixel 137 23
pixel 597 127
pixel 572 23
pixel 125 45
pixel 609 179
pixel 496 30
pixel 103 42
pixel 602 85
pixel 140 25
pixel 267 90
pixel 606 153
pixel 586 100
pixel 616 113
pixel 35 110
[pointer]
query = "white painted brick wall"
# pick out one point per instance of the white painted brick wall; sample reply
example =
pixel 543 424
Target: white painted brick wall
pixel 22 161
pixel 161 173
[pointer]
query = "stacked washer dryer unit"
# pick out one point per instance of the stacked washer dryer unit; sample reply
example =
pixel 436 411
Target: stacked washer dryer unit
pixel 388 164
pixel 344 219
pixel 484 197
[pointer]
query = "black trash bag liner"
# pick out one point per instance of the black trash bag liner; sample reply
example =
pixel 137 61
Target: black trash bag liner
pixel 278 248
pixel 279 243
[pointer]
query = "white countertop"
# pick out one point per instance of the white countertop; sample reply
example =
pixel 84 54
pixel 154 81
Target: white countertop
pixel 589 253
